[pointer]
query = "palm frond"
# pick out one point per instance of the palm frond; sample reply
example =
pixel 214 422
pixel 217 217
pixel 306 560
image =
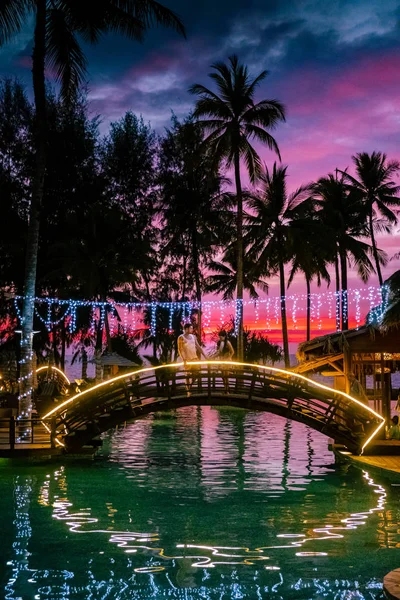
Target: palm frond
pixel 64 54
pixel 13 14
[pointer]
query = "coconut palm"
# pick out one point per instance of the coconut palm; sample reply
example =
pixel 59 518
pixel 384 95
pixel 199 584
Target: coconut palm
pixel 379 194
pixel 341 212
pixel 310 251
pixel 269 223
pixel 232 120
pixel 224 279
pixel 58 26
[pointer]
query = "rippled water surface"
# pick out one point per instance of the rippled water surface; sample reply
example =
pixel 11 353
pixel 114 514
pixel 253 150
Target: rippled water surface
pixel 200 503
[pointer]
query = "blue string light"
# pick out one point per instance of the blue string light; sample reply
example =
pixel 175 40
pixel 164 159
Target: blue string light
pixel 374 295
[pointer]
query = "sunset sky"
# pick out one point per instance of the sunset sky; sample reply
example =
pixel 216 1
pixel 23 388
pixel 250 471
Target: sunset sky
pixel 335 65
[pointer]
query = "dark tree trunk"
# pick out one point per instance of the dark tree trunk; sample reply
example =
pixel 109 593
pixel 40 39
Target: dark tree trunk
pixel 343 269
pixel 107 328
pixel 184 278
pixel 56 357
pixel 373 242
pixel 308 283
pixel 196 268
pixel 99 348
pixel 239 257
pixel 337 298
pixel 63 344
pixel 32 247
pixel 283 314
pixel 84 363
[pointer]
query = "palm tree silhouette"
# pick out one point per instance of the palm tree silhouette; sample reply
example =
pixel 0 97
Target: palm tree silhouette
pixel 58 26
pixel 192 205
pixel 379 194
pixel 224 279
pixel 341 212
pixel 310 255
pixel 269 231
pixel 232 120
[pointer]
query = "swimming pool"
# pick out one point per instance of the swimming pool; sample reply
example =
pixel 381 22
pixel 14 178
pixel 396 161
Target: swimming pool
pixel 209 503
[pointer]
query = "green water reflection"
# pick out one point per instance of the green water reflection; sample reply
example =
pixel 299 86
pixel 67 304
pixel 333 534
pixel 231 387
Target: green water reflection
pixel 199 503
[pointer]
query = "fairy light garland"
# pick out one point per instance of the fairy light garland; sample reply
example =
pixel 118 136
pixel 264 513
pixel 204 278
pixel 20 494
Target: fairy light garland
pixel 153 322
pixel 238 315
pixel 337 310
pixel 358 309
pixel 341 301
pixel 294 315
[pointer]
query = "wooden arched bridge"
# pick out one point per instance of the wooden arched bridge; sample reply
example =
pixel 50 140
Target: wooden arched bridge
pixel 78 421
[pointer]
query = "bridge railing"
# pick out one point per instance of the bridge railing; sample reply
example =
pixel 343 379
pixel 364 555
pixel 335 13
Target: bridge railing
pixel 249 385
pixel 24 433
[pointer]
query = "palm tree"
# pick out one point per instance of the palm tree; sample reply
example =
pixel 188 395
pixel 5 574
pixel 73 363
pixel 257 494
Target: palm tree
pixel 342 214
pixel 310 252
pixel 269 231
pixel 192 205
pixel 224 279
pixel 378 192
pixel 58 23
pixel 232 120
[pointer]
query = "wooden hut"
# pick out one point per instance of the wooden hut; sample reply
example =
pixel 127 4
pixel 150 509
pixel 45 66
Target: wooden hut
pixel 369 354
pixel 114 364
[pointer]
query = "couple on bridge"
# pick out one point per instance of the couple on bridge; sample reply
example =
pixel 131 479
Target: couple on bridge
pixel 189 350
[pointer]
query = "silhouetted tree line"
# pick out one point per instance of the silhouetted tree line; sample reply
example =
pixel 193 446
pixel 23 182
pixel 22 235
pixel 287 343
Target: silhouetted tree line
pixel 134 216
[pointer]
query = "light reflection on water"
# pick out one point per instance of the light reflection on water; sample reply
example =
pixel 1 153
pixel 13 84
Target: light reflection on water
pixel 199 503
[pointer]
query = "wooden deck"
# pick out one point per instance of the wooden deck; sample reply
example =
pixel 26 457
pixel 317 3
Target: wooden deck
pixel 386 463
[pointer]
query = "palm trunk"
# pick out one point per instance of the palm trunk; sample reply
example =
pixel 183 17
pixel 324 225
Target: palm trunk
pixel 99 349
pixel 283 315
pixel 239 258
pixel 308 283
pixel 32 247
pixel 196 269
pixel 184 278
pixel 374 249
pixel 63 344
pixel 337 299
pixel 343 269
pixel 84 363
pixel 56 357
pixel 107 328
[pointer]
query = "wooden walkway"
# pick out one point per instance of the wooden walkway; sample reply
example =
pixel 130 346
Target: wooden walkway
pixel 386 463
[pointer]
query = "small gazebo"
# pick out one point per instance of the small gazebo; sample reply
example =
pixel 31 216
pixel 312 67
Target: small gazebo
pixel 114 364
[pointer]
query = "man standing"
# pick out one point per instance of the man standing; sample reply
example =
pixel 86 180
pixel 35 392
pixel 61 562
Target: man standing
pixel 189 349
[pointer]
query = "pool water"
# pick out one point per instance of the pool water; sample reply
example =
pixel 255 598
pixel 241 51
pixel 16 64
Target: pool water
pixel 199 503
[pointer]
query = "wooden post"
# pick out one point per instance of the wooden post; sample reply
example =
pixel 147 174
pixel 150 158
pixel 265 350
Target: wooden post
pixel 12 433
pixel 53 432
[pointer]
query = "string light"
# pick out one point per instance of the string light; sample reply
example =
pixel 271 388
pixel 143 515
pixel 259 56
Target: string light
pixel 125 326
pixel 294 309
pixel 153 323
pixel 238 315
pixel 268 316
pixel 319 304
pixel 354 298
pixel 170 316
pixel 337 310
pixel 358 309
pixel 345 306
pixel 257 314
pixel 276 310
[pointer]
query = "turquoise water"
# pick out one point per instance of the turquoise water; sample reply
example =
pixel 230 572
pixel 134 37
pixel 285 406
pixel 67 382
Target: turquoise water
pixel 200 503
